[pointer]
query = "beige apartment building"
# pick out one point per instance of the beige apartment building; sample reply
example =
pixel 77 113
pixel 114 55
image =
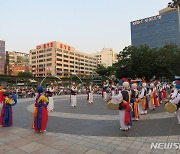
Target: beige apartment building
pixel 60 59
pixel 16 62
pixel 106 57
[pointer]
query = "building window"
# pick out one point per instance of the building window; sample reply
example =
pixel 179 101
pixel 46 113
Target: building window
pixel 65 56
pixel 71 70
pixel 41 56
pixel 76 67
pixel 34 57
pixel 59 54
pixel 58 59
pixel 66 61
pixel 71 53
pixel 49 64
pixel 59 69
pixel 33 53
pixel 82 63
pixel 86 60
pixel 49 54
pixel 49 59
pixel 72 62
pixel 71 66
pixel 65 65
pixel 41 61
pixel 41 51
pixel 82 56
pixel 50 49
pixel 60 50
pixel 71 57
pixel 82 67
pixel 65 51
pixel 33 66
pixel 58 64
pixel 82 59
pixel 33 62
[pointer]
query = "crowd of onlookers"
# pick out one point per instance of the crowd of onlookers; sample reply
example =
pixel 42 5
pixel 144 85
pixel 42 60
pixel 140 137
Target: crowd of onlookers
pixel 30 92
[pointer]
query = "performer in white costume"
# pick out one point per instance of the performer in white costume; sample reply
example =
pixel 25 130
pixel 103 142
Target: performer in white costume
pixel 176 100
pixel 90 93
pixel 150 97
pixel 50 106
pixel 123 99
pixel 105 90
pixel 73 95
pixel 113 89
pixel 142 97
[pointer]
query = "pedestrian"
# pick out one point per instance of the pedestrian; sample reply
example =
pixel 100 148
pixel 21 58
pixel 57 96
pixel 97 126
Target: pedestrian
pixel 73 94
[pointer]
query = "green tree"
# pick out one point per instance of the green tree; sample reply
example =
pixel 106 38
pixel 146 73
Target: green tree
pixel 25 74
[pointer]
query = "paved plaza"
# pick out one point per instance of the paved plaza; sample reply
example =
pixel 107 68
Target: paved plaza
pixel 86 129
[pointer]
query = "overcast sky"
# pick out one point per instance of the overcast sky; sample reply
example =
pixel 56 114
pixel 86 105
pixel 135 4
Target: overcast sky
pixel 87 25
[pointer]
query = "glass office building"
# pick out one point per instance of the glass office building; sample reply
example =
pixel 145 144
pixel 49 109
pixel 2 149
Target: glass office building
pixel 156 31
pixel 2 56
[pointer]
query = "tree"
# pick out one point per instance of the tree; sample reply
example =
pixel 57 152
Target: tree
pixel 101 70
pixel 25 74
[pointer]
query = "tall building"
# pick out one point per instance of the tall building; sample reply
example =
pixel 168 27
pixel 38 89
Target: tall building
pixel 106 57
pixel 60 59
pixel 156 31
pixel 2 56
pixel 16 62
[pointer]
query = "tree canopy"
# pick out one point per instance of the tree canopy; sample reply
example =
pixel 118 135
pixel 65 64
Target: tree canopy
pixel 145 63
pixel 25 74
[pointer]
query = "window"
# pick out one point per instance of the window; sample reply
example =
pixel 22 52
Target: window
pixel 66 61
pixel 41 61
pixel 76 67
pixel 34 57
pixel 86 57
pixel 33 53
pixel 82 63
pixel 71 53
pixel 49 64
pixel 33 62
pixel 71 70
pixel 58 59
pixel 33 66
pixel 49 54
pixel 82 67
pixel 65 51
pixel 65 56
pixel 71 57
pixel 50 49
pixel 40 56
pixel 72 62
pixel 58 64
pixel 59 69
pixel 71 66
pixel 82 59
pixel 59 49
pixel 76 63
pixel 59 54
pixel 41 51
pixel 86 60
pixel 86 64
pixel 65 65
pixel 49 59
pixel 82 56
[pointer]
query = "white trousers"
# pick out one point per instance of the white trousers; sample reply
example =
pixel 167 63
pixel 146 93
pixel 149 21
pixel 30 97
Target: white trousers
pixel 121 119
pixel 90 97
pixel 178 115
pixel 141 111
pixel 73 100
pixel 50 106
pixel 151 107
pixel 105 96
pixel 113 93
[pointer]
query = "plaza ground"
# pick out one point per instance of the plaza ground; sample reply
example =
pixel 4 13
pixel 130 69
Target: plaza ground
pixel 86 129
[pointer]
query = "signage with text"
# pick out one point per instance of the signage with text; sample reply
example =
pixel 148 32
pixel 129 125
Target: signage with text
pixel 145 20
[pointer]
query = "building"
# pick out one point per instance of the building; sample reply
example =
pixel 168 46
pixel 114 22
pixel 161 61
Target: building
pixel 60 59
pixel 156 31
pixel 106 57
pixel 16 62
pixel 2 56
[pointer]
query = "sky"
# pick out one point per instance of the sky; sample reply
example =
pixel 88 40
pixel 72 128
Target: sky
pixel 87 25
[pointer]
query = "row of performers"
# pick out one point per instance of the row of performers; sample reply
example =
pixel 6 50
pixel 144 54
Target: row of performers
pixel 132 103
